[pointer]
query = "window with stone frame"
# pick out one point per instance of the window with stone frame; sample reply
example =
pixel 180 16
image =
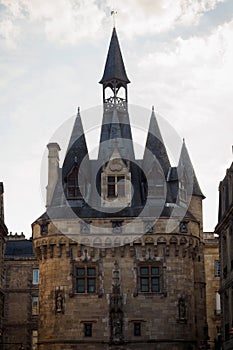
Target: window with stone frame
pixel 115 186
pixel 35 276
pixel 86 279
pixel 34 339
pixel 35 305
pixel 217 268
pixel 73 188
pixel 137 329
pixel 149 278
pixel 87 329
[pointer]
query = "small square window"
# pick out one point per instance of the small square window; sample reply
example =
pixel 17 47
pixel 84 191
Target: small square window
pixel 87 329
pixel 86 280
pixel 149 279
pixel 137 329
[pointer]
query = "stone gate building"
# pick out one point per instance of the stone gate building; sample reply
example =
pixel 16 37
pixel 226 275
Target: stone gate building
pixel 120 246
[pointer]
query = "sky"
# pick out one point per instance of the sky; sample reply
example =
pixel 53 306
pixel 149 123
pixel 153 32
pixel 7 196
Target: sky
pixel 178 56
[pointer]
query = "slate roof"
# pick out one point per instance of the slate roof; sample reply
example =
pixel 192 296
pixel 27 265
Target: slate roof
pixel 116 130
pixel 185 162
pixel 114 67
pixel 19 249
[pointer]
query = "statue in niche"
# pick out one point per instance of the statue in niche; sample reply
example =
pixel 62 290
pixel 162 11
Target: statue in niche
pixel 117 326
pixel 116 304
pixel 182 309
pixel 59 302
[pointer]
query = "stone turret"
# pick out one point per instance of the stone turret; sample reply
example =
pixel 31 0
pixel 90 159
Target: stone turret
pixel 127 273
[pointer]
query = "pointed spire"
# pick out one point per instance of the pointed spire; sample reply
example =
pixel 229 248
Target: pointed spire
pixel 77 148
pixel 186 164
pixel 155 146
pixel 114 67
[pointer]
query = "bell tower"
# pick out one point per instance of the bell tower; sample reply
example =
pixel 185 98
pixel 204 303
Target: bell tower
pixel 114 79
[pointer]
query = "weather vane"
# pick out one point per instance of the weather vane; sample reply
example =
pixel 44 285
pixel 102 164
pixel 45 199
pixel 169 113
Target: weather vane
pixel 113 14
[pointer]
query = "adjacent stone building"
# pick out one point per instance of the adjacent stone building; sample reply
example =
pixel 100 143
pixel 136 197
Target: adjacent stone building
pixel 120 246
pixel 225 231
pixel 21 294
pixel 3 233
pixel 213 305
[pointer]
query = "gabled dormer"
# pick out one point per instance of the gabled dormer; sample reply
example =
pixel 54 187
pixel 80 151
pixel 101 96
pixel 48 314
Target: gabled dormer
pixel 116 182
pixel 76 167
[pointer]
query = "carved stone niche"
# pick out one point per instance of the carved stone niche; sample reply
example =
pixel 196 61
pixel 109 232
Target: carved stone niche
pixel 182 310
pixel 183 227
pixel 59 301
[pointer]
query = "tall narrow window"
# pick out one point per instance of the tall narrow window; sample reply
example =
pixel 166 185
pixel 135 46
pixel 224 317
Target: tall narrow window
pixel 116 186
pixel 218 304
pixel 85 279
pixel 35 279
pixel 34 339
pixel 73 190
pixel 217 268
pixel 35 306
pixel 137 329
pixel 87 329
pixel 149 279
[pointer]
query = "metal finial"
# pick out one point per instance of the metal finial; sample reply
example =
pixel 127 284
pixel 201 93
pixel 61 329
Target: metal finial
pixel 153 108
pixel 113 14
pixel 78 110
pixel 183 140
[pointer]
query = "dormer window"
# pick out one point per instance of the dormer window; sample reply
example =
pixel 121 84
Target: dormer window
pixel 73 188
pixel 156 184
pixel 115 186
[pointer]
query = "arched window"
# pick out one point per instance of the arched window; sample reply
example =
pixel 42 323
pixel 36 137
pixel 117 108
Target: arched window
pixel 73 188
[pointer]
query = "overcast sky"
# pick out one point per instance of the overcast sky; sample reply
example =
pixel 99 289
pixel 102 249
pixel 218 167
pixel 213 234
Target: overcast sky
pixel 178 56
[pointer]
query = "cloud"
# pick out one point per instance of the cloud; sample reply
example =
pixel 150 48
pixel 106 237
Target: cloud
pixel 72 21
pixel 63 21
pixel 141 17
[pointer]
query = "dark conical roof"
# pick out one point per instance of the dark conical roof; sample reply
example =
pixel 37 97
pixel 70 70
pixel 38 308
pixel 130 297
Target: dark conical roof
pixel 155 146
pixel 77 148
pixel 114 67
pixel 185 163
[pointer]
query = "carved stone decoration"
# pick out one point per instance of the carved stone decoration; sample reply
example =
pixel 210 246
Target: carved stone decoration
pixel 59 301
pixel 85 227
pixel 117 226
pixel 116 305
pixel 182 310
pixel 148 226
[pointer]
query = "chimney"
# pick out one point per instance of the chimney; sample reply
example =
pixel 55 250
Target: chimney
pixel 1 202
pixel 53 170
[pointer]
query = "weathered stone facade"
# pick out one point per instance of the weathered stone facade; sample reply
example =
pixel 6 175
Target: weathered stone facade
pixel 213 306
pixel 181 263
pixel 225 229
pixel 120 247
pixel 21 293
